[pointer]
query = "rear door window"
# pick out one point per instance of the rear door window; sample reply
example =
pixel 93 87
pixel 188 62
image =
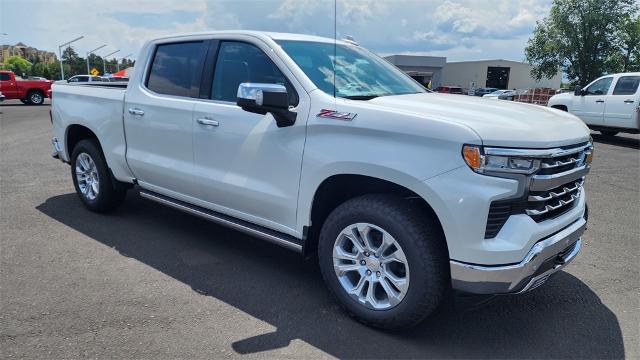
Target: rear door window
pixel 176 69
pixel 626 85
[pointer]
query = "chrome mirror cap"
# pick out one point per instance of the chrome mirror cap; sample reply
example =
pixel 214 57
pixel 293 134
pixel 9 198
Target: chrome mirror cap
pixel 255 91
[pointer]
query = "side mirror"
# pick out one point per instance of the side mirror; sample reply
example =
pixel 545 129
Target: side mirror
pixel 578 91
pixel 266 98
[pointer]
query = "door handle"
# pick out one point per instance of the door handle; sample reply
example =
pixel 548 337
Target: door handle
pixel 206 121
pixel 135 111
pixel 599 101
pixel 629 101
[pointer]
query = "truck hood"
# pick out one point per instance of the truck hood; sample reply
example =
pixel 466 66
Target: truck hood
pixel 561 99
pixel 497 122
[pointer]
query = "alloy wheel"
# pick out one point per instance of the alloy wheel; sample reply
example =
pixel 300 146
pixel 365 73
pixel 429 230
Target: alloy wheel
pixel 371 266
pixel 87 176
pixel 36 98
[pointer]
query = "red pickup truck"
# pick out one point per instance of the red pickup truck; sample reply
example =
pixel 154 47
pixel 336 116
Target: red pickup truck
pixel 28 91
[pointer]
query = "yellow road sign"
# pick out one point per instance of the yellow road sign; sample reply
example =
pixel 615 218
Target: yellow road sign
pixel 95 72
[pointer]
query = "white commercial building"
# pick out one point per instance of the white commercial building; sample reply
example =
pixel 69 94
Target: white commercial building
pixel 423 69
pixel 501 74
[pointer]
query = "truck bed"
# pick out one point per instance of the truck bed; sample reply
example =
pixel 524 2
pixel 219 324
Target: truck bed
pixel 98 108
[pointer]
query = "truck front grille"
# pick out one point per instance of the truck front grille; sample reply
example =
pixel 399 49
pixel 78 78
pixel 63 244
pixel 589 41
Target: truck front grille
pixel 544 205
pixel 552 191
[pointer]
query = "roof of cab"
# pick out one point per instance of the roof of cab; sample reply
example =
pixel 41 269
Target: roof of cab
pixel 259 34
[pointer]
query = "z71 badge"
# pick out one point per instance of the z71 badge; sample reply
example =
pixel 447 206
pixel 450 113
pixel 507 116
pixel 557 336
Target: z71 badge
pixel 333 114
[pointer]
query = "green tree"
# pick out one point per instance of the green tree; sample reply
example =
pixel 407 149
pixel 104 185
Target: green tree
pixel 69 55
pixel 20 66
pixel 629 44
pixel 580 37
pixel 54 70
pixel 42 69
pixel 77 65
pixel 38 69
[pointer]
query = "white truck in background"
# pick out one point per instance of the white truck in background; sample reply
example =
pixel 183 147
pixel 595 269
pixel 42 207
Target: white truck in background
pixel 404 194
pixel 609 104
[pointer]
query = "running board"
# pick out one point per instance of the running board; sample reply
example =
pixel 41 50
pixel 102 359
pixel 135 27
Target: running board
pixel 273 236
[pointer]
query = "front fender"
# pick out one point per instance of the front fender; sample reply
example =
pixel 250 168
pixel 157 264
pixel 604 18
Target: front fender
pixel 309 188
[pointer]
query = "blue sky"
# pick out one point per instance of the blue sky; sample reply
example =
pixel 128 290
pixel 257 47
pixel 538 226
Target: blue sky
pixel 457 29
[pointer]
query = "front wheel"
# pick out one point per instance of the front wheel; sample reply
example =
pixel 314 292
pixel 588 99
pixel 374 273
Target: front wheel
pixel 92 179
pixel 384 260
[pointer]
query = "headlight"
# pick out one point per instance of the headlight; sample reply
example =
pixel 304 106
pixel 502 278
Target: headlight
pixel 481 163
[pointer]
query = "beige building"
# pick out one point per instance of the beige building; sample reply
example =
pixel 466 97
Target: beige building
pixel 501 74
pixel 26 52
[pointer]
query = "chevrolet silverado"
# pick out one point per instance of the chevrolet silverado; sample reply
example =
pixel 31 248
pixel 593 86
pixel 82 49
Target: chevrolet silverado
pixel 324 148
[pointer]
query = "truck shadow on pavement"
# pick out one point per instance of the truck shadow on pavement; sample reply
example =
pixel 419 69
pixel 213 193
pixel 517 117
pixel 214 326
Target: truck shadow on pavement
pixel 563 319
pixel 623 141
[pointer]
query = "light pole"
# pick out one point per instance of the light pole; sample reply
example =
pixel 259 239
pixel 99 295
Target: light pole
pixel 89 53
pixel 104 69
pixel 60 51
pixel 118 60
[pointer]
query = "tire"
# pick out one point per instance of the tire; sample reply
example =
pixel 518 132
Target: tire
pixel 609 132
pixel 420 240
pixel 96 188
pixel 35 97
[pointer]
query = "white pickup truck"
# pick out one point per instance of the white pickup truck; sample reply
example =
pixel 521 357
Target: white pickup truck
pixel 610 104
pixel 402 194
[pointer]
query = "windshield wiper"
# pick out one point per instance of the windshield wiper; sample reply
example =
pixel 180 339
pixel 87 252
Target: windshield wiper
pixel 360 97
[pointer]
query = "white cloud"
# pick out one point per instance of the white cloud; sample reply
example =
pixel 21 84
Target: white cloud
pixel 460 29
pixel 216 17
pixel 459 17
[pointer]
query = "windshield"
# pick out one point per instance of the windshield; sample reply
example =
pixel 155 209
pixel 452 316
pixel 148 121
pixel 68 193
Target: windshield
pixel 497 92
pixel 359 74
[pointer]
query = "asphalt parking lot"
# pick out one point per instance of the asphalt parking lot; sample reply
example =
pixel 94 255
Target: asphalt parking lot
pixel 151 282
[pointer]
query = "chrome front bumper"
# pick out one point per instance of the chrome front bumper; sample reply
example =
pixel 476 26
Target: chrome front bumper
pixel 545 258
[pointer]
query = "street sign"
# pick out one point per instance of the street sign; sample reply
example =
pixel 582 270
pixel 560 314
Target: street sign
pixel 95 72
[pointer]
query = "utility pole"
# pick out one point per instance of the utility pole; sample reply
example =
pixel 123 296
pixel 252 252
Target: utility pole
pixel 60 51
pixel 104 58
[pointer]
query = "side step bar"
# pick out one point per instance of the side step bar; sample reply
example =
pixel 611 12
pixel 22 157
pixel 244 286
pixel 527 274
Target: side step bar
pixel 275 237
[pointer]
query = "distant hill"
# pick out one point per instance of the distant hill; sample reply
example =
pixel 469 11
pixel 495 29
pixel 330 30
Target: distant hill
pixel 30 53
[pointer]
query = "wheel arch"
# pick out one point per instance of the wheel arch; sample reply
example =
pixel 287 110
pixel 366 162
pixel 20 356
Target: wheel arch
pixel 339 188
pixel 76 132
pixel 35 89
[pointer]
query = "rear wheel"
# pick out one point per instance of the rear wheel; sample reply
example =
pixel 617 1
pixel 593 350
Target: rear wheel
pixel 93 182
pixel 384 260
pixel 35 97
pixel 608 132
